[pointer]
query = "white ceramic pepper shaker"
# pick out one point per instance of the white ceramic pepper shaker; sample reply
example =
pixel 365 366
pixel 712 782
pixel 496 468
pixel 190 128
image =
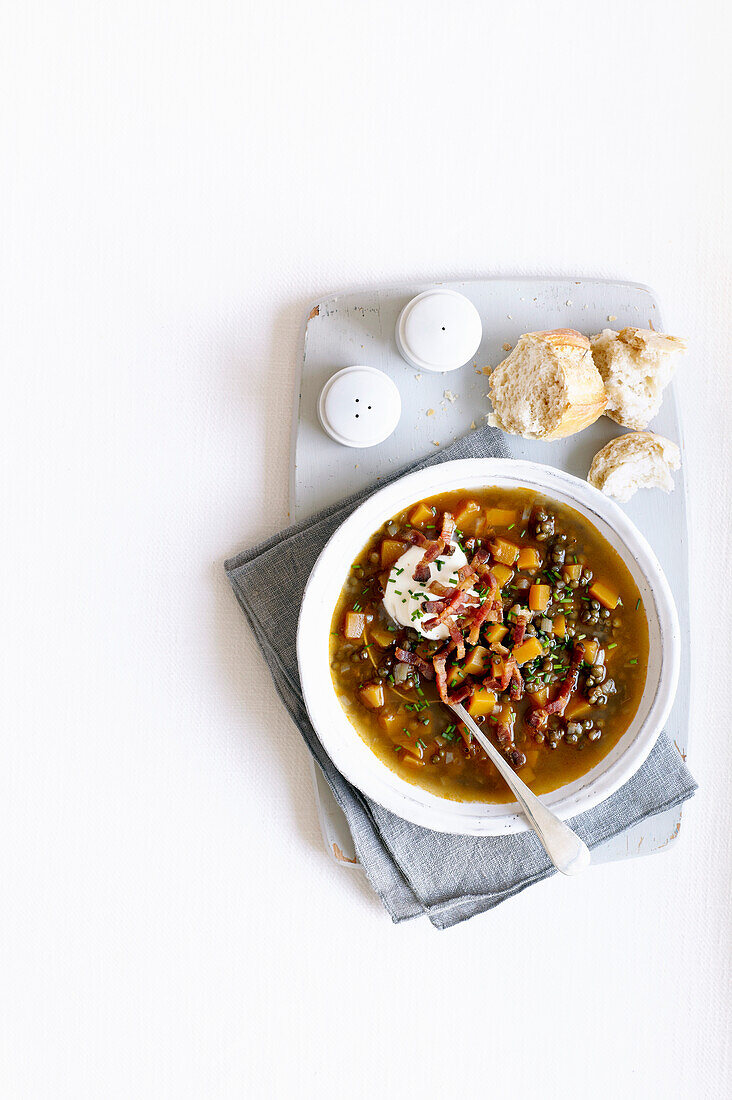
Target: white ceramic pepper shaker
pixel 439 330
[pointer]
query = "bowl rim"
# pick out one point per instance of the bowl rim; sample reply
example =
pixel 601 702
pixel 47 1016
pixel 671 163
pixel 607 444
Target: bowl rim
pixel 414 803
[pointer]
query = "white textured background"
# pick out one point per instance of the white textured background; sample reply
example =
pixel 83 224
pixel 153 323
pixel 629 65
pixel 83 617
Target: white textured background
pixel 179 180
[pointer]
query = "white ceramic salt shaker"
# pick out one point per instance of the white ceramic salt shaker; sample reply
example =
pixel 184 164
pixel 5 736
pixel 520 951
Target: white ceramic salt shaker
pixel 439 330
pixel 359 406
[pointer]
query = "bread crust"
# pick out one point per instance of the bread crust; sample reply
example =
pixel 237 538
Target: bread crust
pixel 583 393
pixel 659 455
pixel 636 366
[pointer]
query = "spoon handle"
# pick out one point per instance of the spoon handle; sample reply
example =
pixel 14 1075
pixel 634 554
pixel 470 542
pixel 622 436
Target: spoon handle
pixel 567 852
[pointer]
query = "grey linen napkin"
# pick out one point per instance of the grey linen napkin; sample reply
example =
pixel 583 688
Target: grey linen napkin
pixel 415 870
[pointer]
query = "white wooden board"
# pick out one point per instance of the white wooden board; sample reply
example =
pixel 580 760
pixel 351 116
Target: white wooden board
pixel 358 327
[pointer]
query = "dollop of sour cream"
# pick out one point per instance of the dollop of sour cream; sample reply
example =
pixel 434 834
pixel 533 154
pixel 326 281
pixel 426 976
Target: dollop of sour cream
pixel 404 596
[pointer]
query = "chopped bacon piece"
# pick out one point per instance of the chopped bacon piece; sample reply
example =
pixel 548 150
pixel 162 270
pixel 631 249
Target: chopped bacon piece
pixel 435 548
pixel 538 716
pixel 504 735
pixel 435 607
pixel 406 657
pixel 518 631
pixel 451 605
pixel 439 662
pixel 466 575
pixel 458 639
pixel 421 573
pixel 440 589
pixel 416 538
pixel 517 683
pixel 465 691
pixel 480 616
pixel 500 683
pixel 568 684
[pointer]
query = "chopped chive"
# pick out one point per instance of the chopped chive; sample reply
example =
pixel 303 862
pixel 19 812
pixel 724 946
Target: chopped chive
pixel 633 662
pixel 612 646
pixel 637 605
pixel 357 607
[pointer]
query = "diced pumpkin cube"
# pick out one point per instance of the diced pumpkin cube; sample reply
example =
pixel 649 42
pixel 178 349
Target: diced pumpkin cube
pixel 500 517
pixel 420 514
pixel 527 651
pixel 539 698
pixel 410 745
pixel 495 633
pixel 559 626
pixel 378 633
pixel 539 597
pixel 592 648
pixel 497 665
pixel 412 761
pixel 506 715
pixel 603 592
pixel 476 661
pixel 391 723
pixel 353 625
pixel 482 702
pixel 571 572
pixel 372 696
pixel 577 707
pixel 455 675
pixel 391 551
pixel 532 755
pixel 502 574
pixel 529 558
pixel 504 551
pixel 466 510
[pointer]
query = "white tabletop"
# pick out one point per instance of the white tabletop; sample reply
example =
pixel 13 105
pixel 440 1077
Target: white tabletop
pixel 180 180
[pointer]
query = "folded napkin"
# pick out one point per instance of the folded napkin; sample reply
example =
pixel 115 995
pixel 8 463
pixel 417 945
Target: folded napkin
pixel 415 870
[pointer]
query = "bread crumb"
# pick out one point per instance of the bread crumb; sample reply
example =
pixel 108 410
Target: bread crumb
pixel 472 426
pixel 435 443
pixel 487 370
pixel 509 317
pixel 430 412
pixel 568 302
pixel 507 346
pixel 650 325
pixel 611 317
pixel 418 377
pixel 451 397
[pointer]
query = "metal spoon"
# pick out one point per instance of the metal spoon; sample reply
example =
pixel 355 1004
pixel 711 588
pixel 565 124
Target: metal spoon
pixel 568 853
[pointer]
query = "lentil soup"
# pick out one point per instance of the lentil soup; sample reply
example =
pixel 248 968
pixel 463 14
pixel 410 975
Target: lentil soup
pixel 508 602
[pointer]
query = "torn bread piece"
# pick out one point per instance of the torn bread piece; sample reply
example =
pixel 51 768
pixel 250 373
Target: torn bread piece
pixel 638 460
pixel 636 366
pixel 548 387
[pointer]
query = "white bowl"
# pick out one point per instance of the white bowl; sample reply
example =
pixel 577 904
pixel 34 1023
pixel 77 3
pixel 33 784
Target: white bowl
pixel 363 768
